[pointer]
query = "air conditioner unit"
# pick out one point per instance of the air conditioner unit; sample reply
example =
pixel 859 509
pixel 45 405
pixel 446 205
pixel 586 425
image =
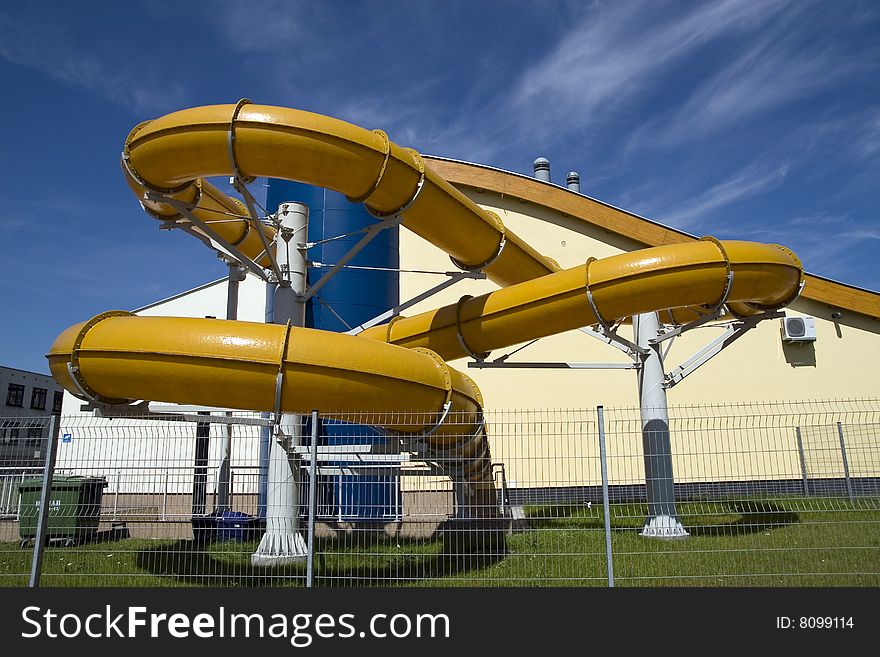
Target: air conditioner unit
pixel 799 329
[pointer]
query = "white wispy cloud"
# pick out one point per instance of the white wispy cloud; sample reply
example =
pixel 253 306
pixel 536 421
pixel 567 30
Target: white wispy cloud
pixel 616 54
pixel 687 213
pixel 410 122
pixel 831 245
pixel 11 223
pixel 862 234
pixel 828 253
pixel 43 43
pixel 868 141
pixel 261 26
pixel 818 220
pixel 774 70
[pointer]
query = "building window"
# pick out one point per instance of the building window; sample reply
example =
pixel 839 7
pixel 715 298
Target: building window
pixel 38 399
pixel 34 436
pixel 57 401
pixel 15 396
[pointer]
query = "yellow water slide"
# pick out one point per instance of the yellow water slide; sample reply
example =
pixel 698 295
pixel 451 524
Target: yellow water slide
pixel 118 357
pixel 751 278
pixel 171 155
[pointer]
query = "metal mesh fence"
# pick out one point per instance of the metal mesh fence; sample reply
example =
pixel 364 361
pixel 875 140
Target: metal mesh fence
pixel 761 492
pixel 762 495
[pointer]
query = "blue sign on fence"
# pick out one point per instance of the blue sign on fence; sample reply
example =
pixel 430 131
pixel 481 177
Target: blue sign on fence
pixel 66 437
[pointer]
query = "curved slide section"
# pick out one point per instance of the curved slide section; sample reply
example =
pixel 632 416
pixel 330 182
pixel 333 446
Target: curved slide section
pixel 172 153
pixel 692 275
pixel 117 357
pixel 223 214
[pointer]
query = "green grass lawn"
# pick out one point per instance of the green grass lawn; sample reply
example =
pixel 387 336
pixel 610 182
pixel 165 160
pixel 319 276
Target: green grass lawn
pixel 732 543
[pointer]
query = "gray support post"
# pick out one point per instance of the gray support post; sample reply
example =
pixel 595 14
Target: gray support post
pixel 803 459
pixel 463 508
pixel 609 554
pixel 313 500
pixel 662 521
pixel 849 490
pixel 224 480
pixel 200 470
pixel 265 430
pixel 45 496
pixel 236 275
pixel 282 543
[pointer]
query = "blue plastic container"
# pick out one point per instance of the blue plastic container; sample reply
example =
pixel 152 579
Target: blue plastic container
pixel 236 526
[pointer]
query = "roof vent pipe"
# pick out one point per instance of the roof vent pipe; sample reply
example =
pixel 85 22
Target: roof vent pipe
pixel 542 169
pixel 573 181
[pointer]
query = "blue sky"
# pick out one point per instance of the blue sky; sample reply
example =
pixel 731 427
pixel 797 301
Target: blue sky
pixel 740 119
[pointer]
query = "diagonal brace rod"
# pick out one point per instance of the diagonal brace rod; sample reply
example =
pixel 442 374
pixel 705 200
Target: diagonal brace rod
pixel 454 277
pixel 732 332
pixel 371 232
pixel 186 211
pixel 615 340
pixel 254 219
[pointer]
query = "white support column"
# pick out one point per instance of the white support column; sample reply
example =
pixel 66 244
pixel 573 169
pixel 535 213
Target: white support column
pixel 662 521
pixel 282 543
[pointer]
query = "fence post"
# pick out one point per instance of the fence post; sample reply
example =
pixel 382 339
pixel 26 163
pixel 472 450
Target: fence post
pixel 200 469
pixel 849 490
pixel 165 497
pixel 609 555
pixel 339 500
pixel 45 496
pixel 800 444
pixel 116 494
pixel 313 499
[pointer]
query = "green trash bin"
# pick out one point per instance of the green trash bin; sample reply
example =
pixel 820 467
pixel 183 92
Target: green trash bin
pixel 74 508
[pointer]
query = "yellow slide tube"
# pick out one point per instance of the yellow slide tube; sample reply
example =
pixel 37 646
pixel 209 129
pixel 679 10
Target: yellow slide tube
pixel 223 214
pixel 172 153
pixel 688 275
pixel 118 358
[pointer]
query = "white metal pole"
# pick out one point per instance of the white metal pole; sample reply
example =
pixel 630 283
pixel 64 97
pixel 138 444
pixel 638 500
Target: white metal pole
pixel 662 521
pixel 165 497
pixel 606 501
pixel 282 542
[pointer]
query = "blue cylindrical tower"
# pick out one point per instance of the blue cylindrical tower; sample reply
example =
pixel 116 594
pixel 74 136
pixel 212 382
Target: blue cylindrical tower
pixel 350 298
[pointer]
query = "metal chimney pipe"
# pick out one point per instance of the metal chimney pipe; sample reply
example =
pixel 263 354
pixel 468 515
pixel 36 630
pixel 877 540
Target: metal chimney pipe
pixel 573 181
pixel 542 169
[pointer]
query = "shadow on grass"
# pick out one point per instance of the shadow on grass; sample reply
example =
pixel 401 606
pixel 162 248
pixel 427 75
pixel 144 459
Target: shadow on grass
pixel 581 516
pixel 754 516
pixel 367 557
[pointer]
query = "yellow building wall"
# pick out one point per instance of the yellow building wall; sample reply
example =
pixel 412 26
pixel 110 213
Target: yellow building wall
pixel 842 363
pixel 540 448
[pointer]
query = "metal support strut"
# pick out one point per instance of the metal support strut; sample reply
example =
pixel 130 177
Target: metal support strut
pixel 370 233
pixel 732 332
pixel 282 542
pixel 204 230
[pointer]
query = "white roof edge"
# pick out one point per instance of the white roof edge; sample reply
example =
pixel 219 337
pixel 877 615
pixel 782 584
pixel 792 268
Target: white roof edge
pixel 614 207
pixel 560 187
pixel 40 374
pixel 179 295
